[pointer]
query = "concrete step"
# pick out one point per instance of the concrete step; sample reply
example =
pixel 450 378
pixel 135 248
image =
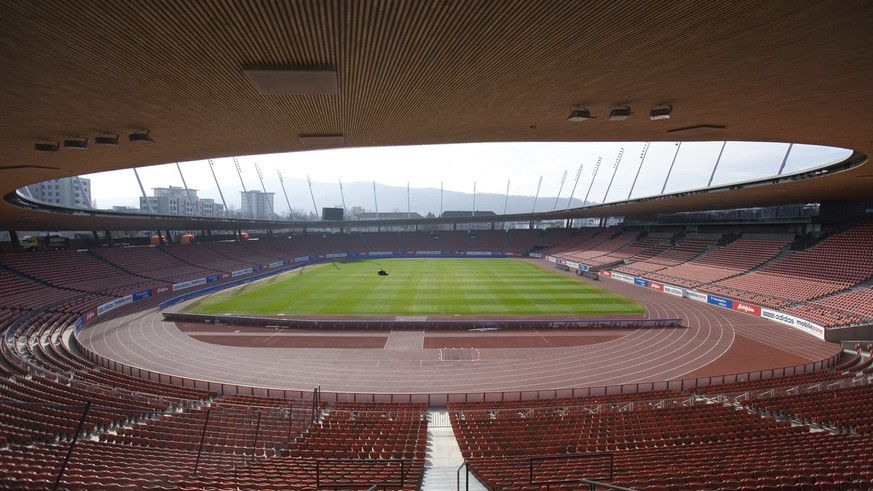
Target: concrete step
pixel 443 457
pixel 446 479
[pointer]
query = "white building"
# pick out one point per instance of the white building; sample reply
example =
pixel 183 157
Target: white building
pixel 67 191
pixel 178 201
pixel 256 204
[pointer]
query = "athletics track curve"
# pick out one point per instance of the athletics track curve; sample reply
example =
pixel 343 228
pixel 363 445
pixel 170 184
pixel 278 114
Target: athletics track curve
pixel 715 341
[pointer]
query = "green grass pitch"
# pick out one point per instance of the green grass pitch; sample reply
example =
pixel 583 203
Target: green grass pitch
pixel 418 287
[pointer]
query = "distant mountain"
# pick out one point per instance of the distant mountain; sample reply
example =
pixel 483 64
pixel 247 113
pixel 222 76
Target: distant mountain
pixel 423 201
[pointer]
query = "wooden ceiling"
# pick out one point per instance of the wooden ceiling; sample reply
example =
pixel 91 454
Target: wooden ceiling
pixel 422 72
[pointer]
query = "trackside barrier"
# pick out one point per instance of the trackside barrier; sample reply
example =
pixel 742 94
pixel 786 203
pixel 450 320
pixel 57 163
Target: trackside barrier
pixel 725 303
pixel 441 399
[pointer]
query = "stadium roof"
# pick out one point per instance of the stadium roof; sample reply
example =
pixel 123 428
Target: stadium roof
pixel 202 78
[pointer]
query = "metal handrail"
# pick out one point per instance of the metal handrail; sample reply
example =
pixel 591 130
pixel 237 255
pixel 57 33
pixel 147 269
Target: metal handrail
pixel 466 475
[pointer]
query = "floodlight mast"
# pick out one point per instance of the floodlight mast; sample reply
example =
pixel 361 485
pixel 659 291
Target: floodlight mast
pixel 86 194
pixel 343 196
pixel 266 198
pixel 312 195
pixel 670 171
pixel 575 183
pixel 245 192
pixel 144 195
pixel 560 188
pixel 642 161
pixel 211 165
pixel 441 198
pixel 540 183
pixel 785 159
pixel 187 191
pixel 375 201
pixel 506 200
pixel 473 213
pixel 26 190
pixel 506 226
pixel 717 161
pixel 376 205
pixel 282 182
pixel 593 178
pixel 614 172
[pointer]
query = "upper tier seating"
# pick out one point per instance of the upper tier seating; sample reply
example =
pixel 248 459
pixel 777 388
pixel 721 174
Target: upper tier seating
pixel 287 247
pixel 520 241
pixel 418 241
pixel 204 257
pixel 638 250
pixel 451 240
pixel 734 259
pixel 383 241
pixel 151 262
pixel 244 252
pixel 77 270
pixel 576 240
pixel 607 251
pixel 836 263
pixel 21 293
pixel 684 250
pixel 491 241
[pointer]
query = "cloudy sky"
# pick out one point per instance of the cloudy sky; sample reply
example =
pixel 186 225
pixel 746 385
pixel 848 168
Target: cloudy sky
pixel 489 165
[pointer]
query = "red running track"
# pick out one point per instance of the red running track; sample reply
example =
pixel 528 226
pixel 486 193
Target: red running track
pixel 716 341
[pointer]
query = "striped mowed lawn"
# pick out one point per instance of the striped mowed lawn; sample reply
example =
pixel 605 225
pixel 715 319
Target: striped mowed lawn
pixel 419 287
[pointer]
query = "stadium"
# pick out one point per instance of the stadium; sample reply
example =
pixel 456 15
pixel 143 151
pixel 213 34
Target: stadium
pixel 717 338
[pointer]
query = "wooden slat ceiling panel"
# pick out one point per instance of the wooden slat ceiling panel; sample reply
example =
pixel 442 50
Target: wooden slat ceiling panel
pixel 419 72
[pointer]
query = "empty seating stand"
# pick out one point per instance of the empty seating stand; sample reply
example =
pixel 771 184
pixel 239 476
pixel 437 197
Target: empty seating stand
pixel 355 443
pixel 661 446
pixel 683 250
pixel 734 259
pixel 835 264
pixel 753 435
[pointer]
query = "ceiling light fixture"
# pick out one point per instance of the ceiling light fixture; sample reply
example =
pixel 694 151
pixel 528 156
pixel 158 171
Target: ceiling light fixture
pixel 619 113
pixel 579 113
pixel 76 143
pixel 141 136
pixel 661 111
pixel 46 146
pixel 293 80
pixel 106 140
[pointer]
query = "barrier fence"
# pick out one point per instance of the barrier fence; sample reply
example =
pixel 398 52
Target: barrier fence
pixel 466 325
pixel 553 469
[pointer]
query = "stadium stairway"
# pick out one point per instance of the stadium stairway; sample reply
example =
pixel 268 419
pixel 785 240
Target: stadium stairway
pixel 443 457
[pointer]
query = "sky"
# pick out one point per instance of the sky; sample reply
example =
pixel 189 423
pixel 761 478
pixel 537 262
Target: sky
pixel 622 172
